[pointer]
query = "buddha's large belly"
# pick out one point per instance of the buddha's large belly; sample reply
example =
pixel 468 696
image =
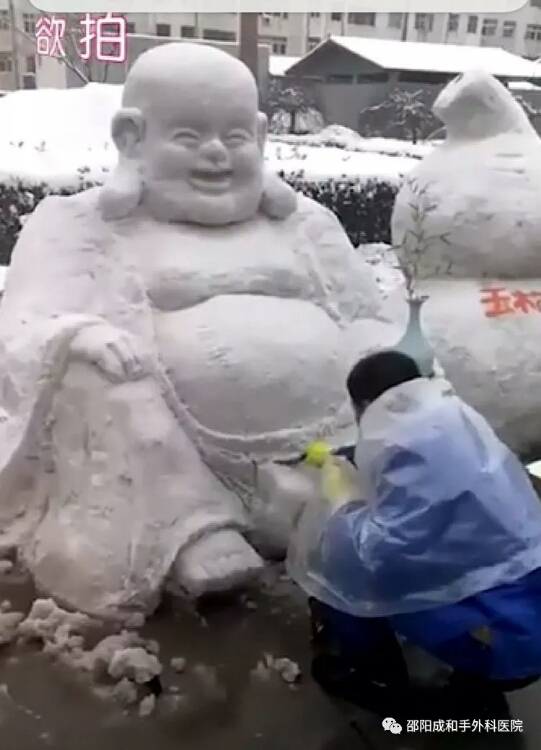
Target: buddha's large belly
pixel 253 365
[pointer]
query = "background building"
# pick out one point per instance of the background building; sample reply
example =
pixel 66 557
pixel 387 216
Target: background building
pixel 288 34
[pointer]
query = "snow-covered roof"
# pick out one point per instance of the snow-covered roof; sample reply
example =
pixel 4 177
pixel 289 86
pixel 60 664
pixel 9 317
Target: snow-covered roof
pixel 280 64
pixel 391 54
pixel 524 86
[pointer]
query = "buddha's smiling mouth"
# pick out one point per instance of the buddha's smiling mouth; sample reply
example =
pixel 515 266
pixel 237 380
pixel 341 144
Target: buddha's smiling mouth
pixel 212 180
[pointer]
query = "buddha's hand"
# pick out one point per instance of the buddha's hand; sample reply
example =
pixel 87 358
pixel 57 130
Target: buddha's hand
pixel 118 354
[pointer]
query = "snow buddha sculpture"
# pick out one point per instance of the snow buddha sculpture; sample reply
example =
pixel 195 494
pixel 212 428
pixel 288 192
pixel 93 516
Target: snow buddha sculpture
pixel 165 335
pixel 467 223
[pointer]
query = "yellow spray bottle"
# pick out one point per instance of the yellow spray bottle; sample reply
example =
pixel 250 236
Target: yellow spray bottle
pixel 335 483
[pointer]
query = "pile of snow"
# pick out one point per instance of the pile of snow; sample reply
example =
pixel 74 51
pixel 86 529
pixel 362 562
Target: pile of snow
pixel 60 137
pixel 119 666
pixel 122 667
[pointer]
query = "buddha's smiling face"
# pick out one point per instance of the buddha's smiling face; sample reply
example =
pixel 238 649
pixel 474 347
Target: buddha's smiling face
pixel 201 148
pixel 206 161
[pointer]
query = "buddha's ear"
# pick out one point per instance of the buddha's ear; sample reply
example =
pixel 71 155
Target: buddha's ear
pixel 128 130
pixel 262 126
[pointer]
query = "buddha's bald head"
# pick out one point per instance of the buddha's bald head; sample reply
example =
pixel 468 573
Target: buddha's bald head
pixel 189 74
pixel 190 122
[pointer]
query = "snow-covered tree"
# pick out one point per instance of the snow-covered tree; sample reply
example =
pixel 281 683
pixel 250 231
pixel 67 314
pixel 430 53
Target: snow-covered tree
pixel 291 108
pixel 402 114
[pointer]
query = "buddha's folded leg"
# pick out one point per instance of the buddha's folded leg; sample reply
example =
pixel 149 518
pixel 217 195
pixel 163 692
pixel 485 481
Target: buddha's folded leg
pixel 129 499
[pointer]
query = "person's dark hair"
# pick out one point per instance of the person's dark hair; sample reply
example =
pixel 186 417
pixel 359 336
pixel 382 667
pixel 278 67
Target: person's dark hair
pixel 376 373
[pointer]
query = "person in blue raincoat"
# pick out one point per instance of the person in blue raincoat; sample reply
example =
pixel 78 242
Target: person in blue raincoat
pixel 443 549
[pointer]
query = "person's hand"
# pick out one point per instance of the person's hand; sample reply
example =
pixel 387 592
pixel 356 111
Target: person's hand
pixel 115 352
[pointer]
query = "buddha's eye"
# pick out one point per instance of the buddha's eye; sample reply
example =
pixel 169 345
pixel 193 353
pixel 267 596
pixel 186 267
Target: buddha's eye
pixel 186 137
pixel 236 138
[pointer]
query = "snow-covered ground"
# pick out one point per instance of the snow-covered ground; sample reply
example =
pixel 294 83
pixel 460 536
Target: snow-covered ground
pixel 60 136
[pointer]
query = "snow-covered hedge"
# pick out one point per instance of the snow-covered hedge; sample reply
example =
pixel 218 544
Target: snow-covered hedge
pixel 363 205
pixel 337 136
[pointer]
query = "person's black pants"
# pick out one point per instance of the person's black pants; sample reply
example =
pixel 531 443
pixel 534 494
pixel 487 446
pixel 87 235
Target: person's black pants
pixel 377 679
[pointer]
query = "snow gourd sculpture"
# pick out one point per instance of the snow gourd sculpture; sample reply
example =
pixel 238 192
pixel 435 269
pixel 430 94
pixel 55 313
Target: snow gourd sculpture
pixel 467 226
pixel 162 337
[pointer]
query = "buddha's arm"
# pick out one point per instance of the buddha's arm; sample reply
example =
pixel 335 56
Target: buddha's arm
pixel 348 282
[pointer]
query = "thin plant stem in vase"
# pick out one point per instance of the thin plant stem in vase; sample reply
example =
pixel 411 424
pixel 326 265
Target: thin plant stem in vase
pixel 411 251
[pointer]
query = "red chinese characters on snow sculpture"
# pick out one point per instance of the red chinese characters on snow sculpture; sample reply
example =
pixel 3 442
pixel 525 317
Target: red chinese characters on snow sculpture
pixel 499 301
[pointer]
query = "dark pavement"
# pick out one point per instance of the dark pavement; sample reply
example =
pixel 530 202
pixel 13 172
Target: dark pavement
pixel 45 705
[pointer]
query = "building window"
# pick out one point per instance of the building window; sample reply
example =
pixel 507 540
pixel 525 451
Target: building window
pixel 163 29
pixel 535 3
pixel 489 27
pixel 395 20
pixel 5 62
pixel 373 78
pixel 473 22
pixel 278 44
pixel 130 28
pixel 217 35
pixel 509 29
pixel 29 23
pixel 4 20
pixel 339 78
pixel 315 15
pixel 336 16
pixel 533 31
pixel 30 63
pixel 452 23
pixel 362 19
pixel 424 21
pixel 187 32
pixel 29 82
pixel 313 41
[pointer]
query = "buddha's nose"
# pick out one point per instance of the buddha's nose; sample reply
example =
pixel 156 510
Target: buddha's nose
pixel 214 150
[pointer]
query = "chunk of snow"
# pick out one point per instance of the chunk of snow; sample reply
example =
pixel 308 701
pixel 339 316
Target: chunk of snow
pixel 134 663
pixel 9 623
pixel 287 669
pixel 147 705
pixel 135 621
pixel 99 659
pixel 178 664
pixel 47 622
pixel 125 692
